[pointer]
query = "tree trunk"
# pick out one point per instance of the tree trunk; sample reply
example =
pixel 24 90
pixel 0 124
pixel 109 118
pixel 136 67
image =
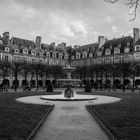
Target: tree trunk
pixel 124 80
pixel 101 79
pixel 37 80
pixel 16 78
pixel 133 86
pixel 113 78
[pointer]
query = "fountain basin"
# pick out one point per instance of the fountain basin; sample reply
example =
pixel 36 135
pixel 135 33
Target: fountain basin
pixel 62 98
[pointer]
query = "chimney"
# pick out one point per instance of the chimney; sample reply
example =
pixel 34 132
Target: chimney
pixel 101 41
pixel 6 38
pixel 38 41
pixel 135 34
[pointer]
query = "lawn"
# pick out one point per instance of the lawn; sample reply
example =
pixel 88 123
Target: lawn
pixel 123 117
pixel 17 120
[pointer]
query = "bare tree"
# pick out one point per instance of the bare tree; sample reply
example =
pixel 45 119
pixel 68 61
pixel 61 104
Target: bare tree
pixel 4 67
pixel 16 68
pixel 132 4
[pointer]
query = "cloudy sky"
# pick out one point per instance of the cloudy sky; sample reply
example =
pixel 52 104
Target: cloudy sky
pixel 75 22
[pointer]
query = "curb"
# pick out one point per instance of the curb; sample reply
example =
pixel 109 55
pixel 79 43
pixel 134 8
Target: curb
pixel 32 134
pixel 102 123
pixel 69 99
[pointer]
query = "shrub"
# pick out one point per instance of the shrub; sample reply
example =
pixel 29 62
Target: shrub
pixel 49 87
pixel 88 86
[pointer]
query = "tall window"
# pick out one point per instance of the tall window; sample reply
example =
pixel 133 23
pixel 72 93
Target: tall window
pixel 137 48
pixel 116 50
pixel 6 58
pixel 107 52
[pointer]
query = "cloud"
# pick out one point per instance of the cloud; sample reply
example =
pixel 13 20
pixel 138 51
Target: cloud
pixel 114 29
pixel 109 19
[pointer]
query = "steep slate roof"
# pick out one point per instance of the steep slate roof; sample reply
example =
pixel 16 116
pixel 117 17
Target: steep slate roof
pixel 23 42
pixel 137 42
pixel 91 47
pixel 115 42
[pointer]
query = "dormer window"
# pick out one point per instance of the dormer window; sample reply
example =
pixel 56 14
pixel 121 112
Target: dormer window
pixel 25 51
pixel 99 53
pixel 54 55
pixel 33 52
pixel 72 57
pixel 107 52
pixel 126 50
pixel 60 55
pixel 116 50
pixel 90 55
pixel 16 51
pixel 137 48
pixel 7 49
pixel 66 57
pixel 48 54
pixel 84 54
pixel 41 54
pixel 78 56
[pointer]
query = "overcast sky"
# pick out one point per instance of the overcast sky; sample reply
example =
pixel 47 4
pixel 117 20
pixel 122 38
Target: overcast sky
pixel 75 22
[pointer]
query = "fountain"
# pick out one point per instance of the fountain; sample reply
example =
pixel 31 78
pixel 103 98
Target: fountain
pixel 68 81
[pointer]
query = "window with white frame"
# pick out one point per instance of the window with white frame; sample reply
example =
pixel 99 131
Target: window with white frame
pixel 60 55
pixel 84 54
pixel 41 54
pixel 6 57
pixel 1 42
pixel 48 54
pixel 116 50
pixel 25 51
pixel 99 53
pixel 54 54
pixel 7 49
pixel 126 50
pixel 16 51
pixel 17 58
pixel 78 56
pixel 137 48
pixel 25 59
pixel 90 54
pixel 107 52
pixel 66 57
pixel 72 57
pixel 33 52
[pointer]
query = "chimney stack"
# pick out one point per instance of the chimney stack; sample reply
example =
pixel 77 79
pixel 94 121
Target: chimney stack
pixel 135 34
pixel 6 38
pixel 101 41
pixel 38 41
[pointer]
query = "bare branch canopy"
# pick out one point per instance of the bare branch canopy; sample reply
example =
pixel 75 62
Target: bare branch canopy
pixel 132 4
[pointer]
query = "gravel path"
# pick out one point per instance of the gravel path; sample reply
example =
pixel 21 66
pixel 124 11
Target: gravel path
pixel 70 121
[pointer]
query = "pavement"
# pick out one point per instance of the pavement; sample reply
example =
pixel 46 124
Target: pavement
pixel 70 121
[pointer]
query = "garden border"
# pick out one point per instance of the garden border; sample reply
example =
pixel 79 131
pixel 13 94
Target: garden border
pixel 102 123
pixel 32 134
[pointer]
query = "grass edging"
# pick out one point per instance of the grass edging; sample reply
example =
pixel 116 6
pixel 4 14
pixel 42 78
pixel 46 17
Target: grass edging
pixel 32 134
pixel 102 123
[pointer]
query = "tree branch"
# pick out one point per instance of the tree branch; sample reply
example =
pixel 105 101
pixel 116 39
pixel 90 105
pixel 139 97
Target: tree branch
pixel 133 6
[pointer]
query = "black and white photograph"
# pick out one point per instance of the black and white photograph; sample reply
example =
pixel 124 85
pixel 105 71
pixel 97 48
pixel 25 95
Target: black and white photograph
pixel 69 70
